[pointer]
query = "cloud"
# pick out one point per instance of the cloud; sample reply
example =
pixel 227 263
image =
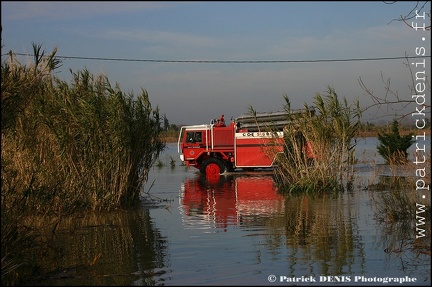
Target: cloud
pixel 161 38
pixel 353 43
pixel 68 10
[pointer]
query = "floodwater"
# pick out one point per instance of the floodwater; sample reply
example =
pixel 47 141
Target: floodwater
pixel 240 230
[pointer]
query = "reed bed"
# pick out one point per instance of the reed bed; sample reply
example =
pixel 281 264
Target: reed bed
pixel 326 164
pixel 68 147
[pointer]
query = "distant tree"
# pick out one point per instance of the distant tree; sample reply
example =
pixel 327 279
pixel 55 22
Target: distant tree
pixel 173 127
pixel 393 147
pixel 166 123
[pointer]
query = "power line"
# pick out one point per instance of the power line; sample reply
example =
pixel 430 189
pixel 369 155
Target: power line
pixel 230 62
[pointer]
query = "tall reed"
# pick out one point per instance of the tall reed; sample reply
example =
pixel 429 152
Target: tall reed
pixel 67 147
pixel 328 128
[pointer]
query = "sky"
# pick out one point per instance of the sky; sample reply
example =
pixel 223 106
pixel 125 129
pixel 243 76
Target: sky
pixel 199 60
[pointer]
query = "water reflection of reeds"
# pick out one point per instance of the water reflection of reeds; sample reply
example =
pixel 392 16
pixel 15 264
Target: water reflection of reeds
pixel 320 230
pixel 97 250
pixel 322 227
pixel 404 216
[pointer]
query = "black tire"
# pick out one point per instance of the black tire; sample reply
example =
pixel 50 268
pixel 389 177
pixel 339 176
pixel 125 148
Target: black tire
pixel 213 166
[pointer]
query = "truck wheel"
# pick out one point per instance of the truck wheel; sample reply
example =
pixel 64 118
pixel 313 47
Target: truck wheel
pixel 213 166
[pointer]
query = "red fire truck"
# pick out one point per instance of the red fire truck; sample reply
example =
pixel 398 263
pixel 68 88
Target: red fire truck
pixel 248 142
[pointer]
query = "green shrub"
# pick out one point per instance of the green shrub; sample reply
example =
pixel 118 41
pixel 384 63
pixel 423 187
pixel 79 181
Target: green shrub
pixel 393 147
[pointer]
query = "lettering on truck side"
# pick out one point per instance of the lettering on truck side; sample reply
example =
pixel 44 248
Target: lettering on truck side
pixel 260 134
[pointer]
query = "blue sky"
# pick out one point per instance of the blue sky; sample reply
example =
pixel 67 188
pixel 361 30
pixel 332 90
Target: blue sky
pixel 194 93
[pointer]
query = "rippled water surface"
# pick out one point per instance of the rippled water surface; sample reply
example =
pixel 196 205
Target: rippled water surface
pixel 240 230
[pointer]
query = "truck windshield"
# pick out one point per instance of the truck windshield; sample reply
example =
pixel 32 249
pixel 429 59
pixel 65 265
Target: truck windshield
pixel 194 137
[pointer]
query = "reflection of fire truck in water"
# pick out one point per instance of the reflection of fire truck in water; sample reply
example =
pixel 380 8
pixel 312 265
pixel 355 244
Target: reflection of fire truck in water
pixel 248 142
pixel 230 199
